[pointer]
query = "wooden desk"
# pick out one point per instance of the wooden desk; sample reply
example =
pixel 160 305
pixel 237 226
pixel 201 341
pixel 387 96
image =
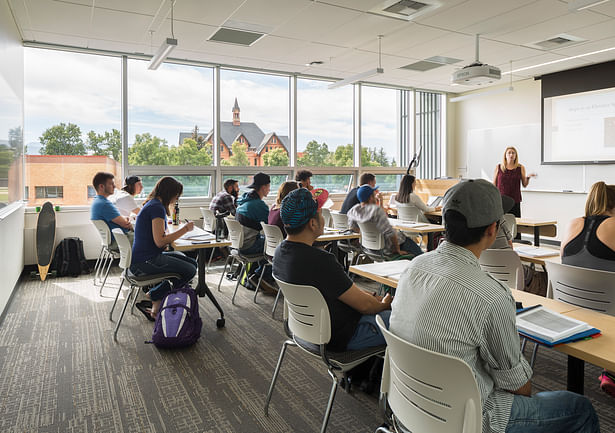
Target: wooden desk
pixel 333 235
pixel 529 225
pixel 201 288
pixel 421 229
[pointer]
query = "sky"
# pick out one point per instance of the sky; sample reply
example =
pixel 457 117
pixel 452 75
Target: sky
pixel 86 90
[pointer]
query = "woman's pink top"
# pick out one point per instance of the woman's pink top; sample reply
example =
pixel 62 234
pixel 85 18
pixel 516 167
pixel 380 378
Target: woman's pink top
pixel 509 183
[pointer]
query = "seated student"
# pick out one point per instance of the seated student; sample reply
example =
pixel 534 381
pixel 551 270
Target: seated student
pixel 251 212
pixel 406 195
pixel 151 238
pixel 368 211
pixel 446 303
pixel 103 209
pixel 225 201
pixel 304 179
pixel 296 261
pixel 274 213
pixel 124 199
pixel 590 241
pixel 351 199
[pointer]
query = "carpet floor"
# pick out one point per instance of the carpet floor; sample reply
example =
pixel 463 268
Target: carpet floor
pixel 61 371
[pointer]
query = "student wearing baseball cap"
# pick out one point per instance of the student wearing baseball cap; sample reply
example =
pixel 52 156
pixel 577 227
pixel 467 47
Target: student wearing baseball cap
pixel 124 199
pixel 446 303
pixel 368 211
pixel 297 261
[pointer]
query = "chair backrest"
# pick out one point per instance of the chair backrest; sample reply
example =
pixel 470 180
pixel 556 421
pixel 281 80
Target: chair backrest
pixel 587 288
pixel 371 238
pixel 125 248
pixel 308 314
pixel 504 265
pixel 235 233
pixel 326 214
pixel 209 220
pixel 273 238
pixel 511 222
pixel 340 221
pixel 103 231
pixel 428 391
pixel 411 213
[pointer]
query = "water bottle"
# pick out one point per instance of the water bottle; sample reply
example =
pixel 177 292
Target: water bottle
pixel 176 214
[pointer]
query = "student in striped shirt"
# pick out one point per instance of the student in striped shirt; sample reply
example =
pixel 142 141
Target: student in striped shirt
pixel 446 303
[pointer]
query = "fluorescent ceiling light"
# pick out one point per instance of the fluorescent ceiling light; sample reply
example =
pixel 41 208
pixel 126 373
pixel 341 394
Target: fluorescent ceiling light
pixel 162 53
pixel 355 78
pixel 565 59
pixel 579 5
pixel 481 94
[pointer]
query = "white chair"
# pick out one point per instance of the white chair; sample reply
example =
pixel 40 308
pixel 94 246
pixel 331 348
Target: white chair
pixel 235 232
pixel 427 391
pixel 136 282
pixel 372 242
pixel 308 321
pixel 582 287
pixel 108 252
pixel 340 221
pixel 273 238
pixel 326 214
pixel 503 265
pixel 410 213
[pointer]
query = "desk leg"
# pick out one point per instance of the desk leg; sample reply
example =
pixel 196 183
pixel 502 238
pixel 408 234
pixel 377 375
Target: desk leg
pixel 576 374
pixel 536 236
pixel 202 289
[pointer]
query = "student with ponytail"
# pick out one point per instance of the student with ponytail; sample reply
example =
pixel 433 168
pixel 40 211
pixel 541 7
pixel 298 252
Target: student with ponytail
pixel 590 242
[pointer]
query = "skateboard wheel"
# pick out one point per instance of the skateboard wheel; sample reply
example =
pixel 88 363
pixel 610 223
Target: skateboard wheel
pixel 220 323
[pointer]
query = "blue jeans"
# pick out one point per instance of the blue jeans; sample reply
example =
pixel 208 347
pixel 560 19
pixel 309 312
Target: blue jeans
pixel 367 333
pixel 411 247
pixel 166 262
pixel 552 411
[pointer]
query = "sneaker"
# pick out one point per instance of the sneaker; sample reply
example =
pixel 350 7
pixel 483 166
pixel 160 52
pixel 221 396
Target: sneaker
pixel 607 384
pixel 265 287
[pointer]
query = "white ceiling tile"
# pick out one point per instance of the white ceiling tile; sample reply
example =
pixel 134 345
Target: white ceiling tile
pixel 365 28
pixel 607 8
pixel 259 11
pixel 143 7
pixel 60 39
pixel 311 51
pixel 189 35
pixel 314 21
pixel 470 12
pixel 272 48
pixel 588 47
pixel 213 13
pixel 124 47
pixel 400 41
pixel 134 26
pixel 62 18
pixel 597 31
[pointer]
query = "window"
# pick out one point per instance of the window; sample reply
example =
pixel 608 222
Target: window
pixel 255 106
pixel 72 121
pixel 381 126
pixel 26 195
pixel 11 143
pixel 49 191
pixel 91 192
pixel 324 124
pixel 388 182
pixel 428 133
pixel 194 186
pixel 170 115
pixel 334 183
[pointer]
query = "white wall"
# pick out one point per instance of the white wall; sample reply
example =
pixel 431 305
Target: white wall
pixel 12 217
pixel 520 107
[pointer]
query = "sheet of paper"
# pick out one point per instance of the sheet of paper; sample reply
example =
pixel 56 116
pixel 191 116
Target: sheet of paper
pixel 549 325
pixel 386 269
pixel 532 251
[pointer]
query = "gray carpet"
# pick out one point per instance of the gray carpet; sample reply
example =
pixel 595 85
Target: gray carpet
pixel 60 370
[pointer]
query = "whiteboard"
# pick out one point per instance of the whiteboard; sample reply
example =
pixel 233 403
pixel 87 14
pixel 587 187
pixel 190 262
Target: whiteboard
pixel 486 150
pixel 598 172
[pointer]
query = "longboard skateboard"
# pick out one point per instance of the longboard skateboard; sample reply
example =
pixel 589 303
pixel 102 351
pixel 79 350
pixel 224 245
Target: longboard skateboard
pixel 45 238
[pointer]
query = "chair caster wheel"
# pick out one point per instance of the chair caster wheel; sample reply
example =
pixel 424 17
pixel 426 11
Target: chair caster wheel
pixel 220 323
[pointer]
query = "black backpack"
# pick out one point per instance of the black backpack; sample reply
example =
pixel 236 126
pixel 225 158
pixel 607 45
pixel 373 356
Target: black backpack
pixel 69 258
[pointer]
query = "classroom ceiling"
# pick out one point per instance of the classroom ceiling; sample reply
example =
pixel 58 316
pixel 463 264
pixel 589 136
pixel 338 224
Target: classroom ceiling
pixel 343 34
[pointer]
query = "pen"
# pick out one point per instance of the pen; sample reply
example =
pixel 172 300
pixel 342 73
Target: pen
pixel 529 308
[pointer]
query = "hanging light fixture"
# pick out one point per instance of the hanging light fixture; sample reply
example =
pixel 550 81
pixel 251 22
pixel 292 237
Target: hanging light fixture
pixel 362 75
pixel 166 47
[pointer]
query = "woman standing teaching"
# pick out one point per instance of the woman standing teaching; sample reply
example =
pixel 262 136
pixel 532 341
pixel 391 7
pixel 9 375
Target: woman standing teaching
pixel 509 176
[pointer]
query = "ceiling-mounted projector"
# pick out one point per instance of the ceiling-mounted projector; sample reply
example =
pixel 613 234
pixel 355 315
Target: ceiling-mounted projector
pixel 477 73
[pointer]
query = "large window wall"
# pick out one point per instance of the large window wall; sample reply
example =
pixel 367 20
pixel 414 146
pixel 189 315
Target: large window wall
pixel 204 124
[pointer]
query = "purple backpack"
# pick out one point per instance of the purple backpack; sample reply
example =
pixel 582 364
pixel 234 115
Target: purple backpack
pixel 178 323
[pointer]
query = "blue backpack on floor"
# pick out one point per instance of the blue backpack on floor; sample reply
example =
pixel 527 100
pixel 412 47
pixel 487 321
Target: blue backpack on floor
pixel 178 323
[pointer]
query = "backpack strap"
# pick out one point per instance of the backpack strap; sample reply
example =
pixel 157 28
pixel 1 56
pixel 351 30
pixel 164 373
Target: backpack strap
pixel 65 256
pixel 81 256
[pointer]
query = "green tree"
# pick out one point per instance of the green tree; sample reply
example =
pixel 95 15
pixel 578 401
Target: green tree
pixel 189 153
pixel 276 158
pixel 239 157
pixel 62 139
pixel 149 150
pixel 344 156
pixel 367 158
pixel 16 139
pixel 380 157
pixel 108 144
pixel 199 139
pixel 316 155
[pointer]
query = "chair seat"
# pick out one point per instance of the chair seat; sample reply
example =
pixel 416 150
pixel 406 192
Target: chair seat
pixel 148 280
pixel 341 358
pixel 247 257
